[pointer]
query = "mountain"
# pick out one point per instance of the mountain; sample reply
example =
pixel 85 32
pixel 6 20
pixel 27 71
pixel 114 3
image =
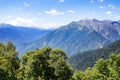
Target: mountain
pixel 109 29
pixel 20 36
pixel 119 21
pixel 87 59
pixel 79 36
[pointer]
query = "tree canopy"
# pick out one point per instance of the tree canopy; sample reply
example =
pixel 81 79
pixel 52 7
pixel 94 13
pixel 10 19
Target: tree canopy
pixel 52 64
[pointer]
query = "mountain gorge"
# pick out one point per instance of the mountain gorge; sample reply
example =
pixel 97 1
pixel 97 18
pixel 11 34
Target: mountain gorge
pixel 80 36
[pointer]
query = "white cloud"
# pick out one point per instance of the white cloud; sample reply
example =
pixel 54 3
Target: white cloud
pixel 26 4
pixel 61 1
pixel 70 11
pixel 100 0
pixel 30 22
pixel 9 17
pixel 117 17
pixel 93 13
pixel 28 13
pixel 38 13
pixel 92 1
pixel 109 13
pixel 51 25
pixel 54 12
pixel 101 7
pixel 19 21
pixel 111 6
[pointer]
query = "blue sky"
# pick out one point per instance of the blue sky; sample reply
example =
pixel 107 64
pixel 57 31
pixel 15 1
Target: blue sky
pixel 55 13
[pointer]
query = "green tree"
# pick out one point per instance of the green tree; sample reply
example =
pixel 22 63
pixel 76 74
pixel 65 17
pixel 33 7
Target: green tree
pixel 58 60
pixel 9 62
pixel 114 66
pixel 108 69
pixel 36 65
pixel 78 75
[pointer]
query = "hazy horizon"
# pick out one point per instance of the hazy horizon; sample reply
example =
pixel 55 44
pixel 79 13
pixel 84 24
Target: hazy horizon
pixel 53 28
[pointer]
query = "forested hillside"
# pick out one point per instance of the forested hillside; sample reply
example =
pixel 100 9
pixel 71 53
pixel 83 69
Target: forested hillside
pixel 87 59
pixel 51 64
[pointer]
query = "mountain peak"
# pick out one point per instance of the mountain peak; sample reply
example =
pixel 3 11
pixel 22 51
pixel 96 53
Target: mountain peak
pixel 107 28
pixel 94 20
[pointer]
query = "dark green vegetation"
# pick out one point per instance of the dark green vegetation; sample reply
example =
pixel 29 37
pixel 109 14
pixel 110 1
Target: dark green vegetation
pixel 87 59
pixel 51 64
pixel 80 36
pixel 20 36
pixel 108 69
pixel 40 64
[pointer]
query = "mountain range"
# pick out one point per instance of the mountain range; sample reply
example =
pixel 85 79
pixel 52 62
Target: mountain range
pixel 76 37
pixel 108 29
pixel 20 35
pixel 80 36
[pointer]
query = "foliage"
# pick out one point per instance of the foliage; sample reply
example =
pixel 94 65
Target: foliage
pixel 87 59
pixel 108 69
pixel 9 62
pixel 51 64
pixel 45 64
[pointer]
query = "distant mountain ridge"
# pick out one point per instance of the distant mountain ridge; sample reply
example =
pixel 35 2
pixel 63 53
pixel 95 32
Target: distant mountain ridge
pixel 80 36
pixel 20 36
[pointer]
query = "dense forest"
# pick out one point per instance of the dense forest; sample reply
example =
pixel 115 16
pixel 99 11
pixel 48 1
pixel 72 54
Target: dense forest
pixel 52 64
pixel 83 60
